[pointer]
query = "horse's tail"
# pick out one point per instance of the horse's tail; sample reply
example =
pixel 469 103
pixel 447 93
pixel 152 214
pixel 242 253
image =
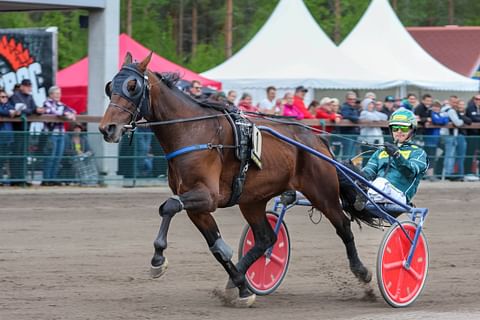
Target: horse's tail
pixel 349 195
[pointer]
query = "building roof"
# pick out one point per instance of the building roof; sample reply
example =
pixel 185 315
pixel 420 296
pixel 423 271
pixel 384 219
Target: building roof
pixel 380 42
pixel 458 48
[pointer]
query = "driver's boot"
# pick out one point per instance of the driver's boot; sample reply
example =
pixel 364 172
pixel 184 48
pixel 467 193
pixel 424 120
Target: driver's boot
pixel 360 202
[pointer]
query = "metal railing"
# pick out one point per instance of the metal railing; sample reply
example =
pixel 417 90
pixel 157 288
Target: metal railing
pixel 51 158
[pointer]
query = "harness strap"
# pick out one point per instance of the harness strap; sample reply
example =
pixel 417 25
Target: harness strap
pixel 242 154
pixel 195 147
pixel 112 104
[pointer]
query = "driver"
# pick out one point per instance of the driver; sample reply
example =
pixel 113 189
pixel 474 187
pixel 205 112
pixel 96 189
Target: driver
pixel 398 168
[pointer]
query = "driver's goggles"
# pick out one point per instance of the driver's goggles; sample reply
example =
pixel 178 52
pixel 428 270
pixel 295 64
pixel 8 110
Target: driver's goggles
pixel 404 129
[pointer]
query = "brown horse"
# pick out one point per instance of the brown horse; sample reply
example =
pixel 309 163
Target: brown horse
pixel 201 180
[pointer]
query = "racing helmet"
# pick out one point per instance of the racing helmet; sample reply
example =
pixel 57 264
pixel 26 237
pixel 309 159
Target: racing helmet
pixel 403 117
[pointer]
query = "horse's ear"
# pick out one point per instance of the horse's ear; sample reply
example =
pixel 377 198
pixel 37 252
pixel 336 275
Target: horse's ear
pixel 128 59
pixel 108 89
pixel 143 65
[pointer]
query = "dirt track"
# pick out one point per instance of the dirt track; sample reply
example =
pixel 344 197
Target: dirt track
pixel 84 254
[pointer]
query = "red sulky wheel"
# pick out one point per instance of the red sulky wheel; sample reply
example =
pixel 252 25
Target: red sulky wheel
pixel 267 273
pixel 400 286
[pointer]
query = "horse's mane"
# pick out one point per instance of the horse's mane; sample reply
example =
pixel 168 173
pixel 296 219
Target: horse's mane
pixel 169 78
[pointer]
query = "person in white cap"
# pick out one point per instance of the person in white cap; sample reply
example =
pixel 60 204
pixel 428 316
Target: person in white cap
pixel 325 111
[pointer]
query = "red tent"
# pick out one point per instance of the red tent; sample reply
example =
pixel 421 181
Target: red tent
pixel 74 79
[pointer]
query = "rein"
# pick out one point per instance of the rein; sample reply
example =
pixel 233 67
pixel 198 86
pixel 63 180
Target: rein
pixel 278 119
pixel 140 99
pixel 209 146
pixel 147 124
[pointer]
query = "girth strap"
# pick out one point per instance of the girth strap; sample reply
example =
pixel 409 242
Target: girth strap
pixel 242 131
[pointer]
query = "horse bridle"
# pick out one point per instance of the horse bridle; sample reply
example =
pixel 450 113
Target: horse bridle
pixel 139 98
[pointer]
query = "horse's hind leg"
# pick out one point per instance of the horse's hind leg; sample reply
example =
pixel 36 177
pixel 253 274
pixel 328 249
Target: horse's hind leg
pixel 223 253
pixel 342 225
pixel 263 234
pixel 331 208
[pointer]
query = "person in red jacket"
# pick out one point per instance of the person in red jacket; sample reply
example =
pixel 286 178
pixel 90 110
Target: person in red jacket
pixel 246 104
pixel 299 103
pixel 325 111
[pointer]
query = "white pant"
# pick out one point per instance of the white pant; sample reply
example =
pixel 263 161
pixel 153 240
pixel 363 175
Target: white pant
pixel 386 187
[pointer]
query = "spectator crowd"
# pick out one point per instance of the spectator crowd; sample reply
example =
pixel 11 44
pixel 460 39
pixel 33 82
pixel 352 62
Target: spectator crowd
pixel 48 138
pixel 452 152
pixel 452 149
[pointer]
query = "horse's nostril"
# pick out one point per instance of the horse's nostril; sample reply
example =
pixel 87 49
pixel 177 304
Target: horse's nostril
pixel 108 130
pixel 111 128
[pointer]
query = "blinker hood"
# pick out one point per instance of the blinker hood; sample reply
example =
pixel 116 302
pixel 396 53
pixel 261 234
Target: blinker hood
pixel 140 94
pixel 120 84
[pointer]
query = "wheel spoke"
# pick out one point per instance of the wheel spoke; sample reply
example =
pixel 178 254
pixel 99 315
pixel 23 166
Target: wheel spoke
pixel 261 272
pixel 414 273
pixel 277 259
pixel 400 246
pixel 399 283
pixel 393 265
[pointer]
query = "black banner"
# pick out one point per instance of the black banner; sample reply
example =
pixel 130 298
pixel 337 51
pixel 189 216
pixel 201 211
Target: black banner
pixel 28 54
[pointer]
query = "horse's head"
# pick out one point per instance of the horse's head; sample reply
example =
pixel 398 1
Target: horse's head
pixel 129 98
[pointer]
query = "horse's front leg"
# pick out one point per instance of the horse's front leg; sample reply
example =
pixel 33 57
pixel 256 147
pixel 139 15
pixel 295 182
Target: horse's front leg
pixel 167 211
pixel 192 200
pixel 199 202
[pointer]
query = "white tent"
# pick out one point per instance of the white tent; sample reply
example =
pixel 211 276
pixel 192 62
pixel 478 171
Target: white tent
pixel 292 50
pixel 382 44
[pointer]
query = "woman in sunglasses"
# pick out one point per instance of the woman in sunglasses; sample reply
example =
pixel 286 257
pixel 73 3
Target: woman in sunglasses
pixel 398 168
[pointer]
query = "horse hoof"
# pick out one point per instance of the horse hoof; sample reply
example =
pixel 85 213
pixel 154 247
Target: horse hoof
pixel 232 298
pixel 363 274
pixel 157 272
pixel 246 302
pixel 368 277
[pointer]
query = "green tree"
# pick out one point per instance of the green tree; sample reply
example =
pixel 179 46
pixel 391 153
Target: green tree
pixel 72 40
